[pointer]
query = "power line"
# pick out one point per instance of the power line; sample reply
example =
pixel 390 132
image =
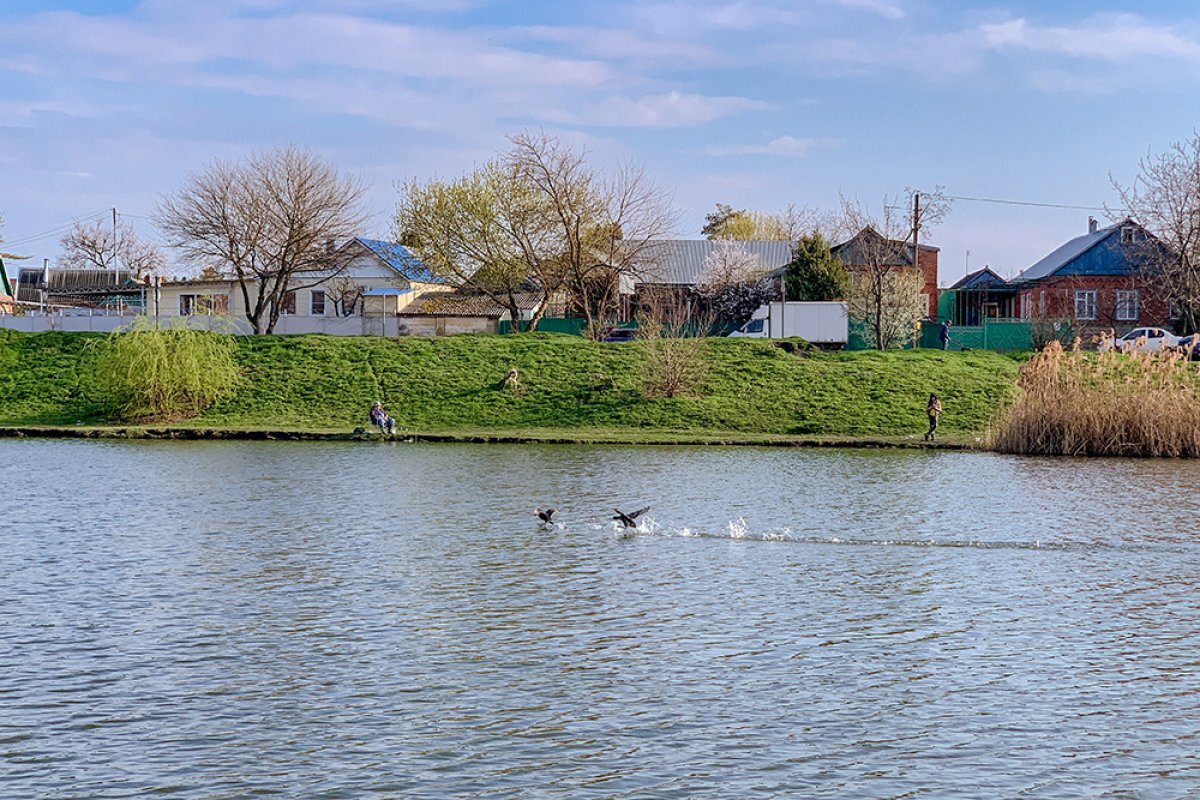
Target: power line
pixel 1026 203
pixel 56 230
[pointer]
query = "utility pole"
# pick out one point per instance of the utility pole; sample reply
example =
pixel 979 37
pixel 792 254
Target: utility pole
pixel 916 236
pixel 116 246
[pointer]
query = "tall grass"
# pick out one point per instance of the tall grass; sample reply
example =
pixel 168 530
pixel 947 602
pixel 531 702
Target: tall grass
pixel 1072 402
pixel 150 373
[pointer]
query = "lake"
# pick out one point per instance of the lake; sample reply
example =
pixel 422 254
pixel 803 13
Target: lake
pixel 358 620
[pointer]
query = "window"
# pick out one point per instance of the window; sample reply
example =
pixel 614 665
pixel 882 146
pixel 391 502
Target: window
pixel 1128 234
pixel 753 326
pixel 317 303
pixel 190 304
pixel 1085 304
pixel 289 303
pixel 1127 305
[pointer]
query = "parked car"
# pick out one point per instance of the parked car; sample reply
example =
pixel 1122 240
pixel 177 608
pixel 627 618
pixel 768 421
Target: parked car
pixel 1143 340
pixel 618 334
pixel 1191 346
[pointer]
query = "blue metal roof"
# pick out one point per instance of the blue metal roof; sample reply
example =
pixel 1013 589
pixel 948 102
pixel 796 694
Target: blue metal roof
pixel 386 291
pixel 1097 253
pixel 401 259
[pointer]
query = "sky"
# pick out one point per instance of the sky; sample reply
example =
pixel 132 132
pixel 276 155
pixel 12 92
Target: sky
pixel 757 104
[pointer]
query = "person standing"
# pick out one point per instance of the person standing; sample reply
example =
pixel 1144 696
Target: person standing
pixel 933 409
pixel 944 334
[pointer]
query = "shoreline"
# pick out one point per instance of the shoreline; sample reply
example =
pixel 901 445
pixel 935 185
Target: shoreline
pixel 731 439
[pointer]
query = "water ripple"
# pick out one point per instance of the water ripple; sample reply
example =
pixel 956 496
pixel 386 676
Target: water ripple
pixel 265 619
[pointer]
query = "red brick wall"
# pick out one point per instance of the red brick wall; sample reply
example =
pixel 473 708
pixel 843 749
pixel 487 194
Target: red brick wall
pixel 1060 300
pixel 927 260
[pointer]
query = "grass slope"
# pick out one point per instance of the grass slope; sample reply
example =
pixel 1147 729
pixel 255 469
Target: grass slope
pixel 455 384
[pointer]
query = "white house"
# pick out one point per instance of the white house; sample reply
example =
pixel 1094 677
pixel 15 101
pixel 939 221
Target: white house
pixel 372 265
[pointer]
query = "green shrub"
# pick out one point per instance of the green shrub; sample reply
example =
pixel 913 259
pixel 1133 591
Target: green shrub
pixel 150 373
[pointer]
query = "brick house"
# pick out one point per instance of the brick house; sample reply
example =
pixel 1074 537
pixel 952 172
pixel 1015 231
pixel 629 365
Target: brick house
pixel 868 244
pixel 1096 281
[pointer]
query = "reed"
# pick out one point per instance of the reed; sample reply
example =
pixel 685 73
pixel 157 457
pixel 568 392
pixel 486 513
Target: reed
pixel 1071 402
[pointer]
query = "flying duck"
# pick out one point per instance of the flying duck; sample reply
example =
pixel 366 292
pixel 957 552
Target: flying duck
pixel 629 520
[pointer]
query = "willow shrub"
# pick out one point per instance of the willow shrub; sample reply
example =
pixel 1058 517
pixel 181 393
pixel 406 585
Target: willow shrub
pixel 1072 402
pixel 168 373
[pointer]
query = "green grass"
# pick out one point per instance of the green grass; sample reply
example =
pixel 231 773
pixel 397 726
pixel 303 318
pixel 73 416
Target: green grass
pixel 454 384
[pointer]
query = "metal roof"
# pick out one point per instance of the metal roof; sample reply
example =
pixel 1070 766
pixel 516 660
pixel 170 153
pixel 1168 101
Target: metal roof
pixel 457 303
pixel 980 279
pixel 401 259
pixel 1064 254
pixel 680 262
pixel 386 291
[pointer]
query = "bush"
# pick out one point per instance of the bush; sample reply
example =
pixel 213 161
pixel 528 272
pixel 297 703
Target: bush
pixel 150 373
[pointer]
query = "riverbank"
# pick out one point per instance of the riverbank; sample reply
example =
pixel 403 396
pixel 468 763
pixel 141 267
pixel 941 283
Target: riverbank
pixel 452 388
pixel 152 432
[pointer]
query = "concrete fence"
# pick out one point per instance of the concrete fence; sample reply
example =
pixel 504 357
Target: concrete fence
pixel 288 325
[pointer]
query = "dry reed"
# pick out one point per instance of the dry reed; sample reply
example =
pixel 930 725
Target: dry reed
pixel 1079 403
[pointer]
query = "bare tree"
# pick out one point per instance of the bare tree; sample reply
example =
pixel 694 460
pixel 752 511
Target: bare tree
pixel 605 230
pixel 344 293
pixel 271 219
pixel 881 258
pixel 538 219
pixel 787 225
pixel 1165 199
pixel 487 231
pixel 99 246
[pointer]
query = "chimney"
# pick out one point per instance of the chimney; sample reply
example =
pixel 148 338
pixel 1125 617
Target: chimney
pixel 1092 224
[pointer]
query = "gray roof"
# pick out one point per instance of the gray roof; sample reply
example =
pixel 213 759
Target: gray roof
pixel 680 262
pixel 1065 254
pixel 465 303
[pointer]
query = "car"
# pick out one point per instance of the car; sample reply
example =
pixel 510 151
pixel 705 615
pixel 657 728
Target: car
pixel 1190 345
pixel 618 334
pixel 1142 340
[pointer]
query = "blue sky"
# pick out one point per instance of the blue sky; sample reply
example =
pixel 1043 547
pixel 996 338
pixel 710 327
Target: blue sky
pixel 757 103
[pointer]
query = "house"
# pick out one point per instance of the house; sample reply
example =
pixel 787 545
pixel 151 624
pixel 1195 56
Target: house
pixel 449 311
pixel 981 295
pixel 868 246
pixel 370 264
pixel 677 266
pixel 1096 280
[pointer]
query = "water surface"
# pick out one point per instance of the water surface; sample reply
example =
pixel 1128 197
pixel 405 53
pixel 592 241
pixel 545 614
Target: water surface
pixel 232 619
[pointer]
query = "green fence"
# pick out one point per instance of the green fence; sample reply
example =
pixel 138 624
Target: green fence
pixel 571 325
pixel 997 335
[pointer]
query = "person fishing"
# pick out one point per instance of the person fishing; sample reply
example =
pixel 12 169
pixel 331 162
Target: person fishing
pixel 933 409
pixel 380 419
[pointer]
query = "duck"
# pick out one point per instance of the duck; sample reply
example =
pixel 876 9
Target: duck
pixel 629 520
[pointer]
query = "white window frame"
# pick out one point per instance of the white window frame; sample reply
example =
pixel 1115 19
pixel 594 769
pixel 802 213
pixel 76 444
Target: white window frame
pixel 1085 304
pixel 317 298
pixel 1127 305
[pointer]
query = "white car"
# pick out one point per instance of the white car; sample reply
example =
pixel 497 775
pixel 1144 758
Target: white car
pixel 1143 340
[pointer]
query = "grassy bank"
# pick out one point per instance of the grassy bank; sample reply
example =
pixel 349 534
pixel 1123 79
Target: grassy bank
pixel 571 388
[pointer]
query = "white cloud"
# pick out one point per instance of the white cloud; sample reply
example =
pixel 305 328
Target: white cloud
pixel 1109 37
pixel 883 8
pixel 670 110
pixel 787 146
